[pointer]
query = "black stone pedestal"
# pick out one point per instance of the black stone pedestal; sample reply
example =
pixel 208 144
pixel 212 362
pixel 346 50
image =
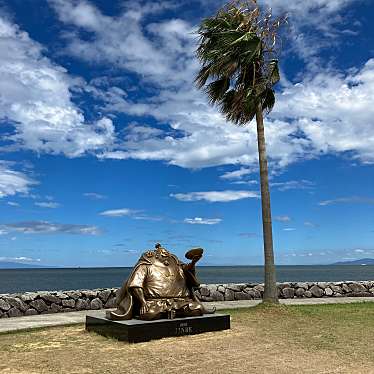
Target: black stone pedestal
pixel 135 330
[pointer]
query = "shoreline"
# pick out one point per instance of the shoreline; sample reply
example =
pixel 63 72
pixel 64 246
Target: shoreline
pixel 48 302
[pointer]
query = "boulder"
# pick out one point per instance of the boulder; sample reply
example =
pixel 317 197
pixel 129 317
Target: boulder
pixel 50 298
pixel 308 294
pixel 329 291
pixel 62 295
pixel 204 291
pixel 357 287
pixel 288 293
pixel 39 305
pixel 31 312
pixel 316 291
pixel 257 294
pixel 96 304
pixel 322 285
pixel 303 285
pixel 371 290
pixel 229 295
pixel 337 289
pixel 28 296
pixel 17 303
pixel 74 294
pixel 369 284
pixel 251 293
pixel 81 304
pixel 345 288
pixel 4 305
pixel 242 296
pixel 217 296
pixel 283 285
pixel 68 303
pixel 104 295
pixel 361 294
pixel 260 288
pixel 212 287
pixel 111 303
pixel 55 308
pixel 221 289
pixel 91 294
pixel 300 292
pixel 14 312
pixel 235 287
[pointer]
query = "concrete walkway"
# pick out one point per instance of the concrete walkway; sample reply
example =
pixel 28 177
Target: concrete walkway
pixel 71 318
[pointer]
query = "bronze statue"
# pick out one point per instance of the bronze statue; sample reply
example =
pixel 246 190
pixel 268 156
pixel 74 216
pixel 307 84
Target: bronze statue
pixel 160 286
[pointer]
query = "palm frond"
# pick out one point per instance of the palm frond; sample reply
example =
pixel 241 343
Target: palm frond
pixel 237 73
pixel 268 100
pixel 217 89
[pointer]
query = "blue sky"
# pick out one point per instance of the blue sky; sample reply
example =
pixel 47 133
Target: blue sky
pixel 106 146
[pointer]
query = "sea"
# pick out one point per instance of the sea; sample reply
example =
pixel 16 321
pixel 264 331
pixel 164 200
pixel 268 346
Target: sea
pixel 22 280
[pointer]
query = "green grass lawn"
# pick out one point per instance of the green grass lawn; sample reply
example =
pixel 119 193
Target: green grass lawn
pixel 336 338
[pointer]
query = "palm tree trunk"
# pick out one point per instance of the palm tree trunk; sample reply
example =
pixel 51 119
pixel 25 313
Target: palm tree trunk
pixel 271 292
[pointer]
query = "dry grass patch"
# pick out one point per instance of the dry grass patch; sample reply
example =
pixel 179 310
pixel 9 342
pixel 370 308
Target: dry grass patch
pixel 283 339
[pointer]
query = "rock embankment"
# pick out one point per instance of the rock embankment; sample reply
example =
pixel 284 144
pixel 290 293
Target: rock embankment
pixel 250 291
pixel 32 303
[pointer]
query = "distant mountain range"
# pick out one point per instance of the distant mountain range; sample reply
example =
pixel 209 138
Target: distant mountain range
pixel 17 265
pixel 362 261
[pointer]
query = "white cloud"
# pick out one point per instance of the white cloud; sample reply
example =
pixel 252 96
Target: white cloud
pixel 302 125
pixel 45 227
pixel 94 196
pixel 47 204
pixel 237 174
pixel 289 229
pixel 134 214
pixel 304 9
pixel 293 185
pixel 145 217
pixel 282 218
pixel 202 221
pixel 334 111
pixel 128 46
pixel 327 112
pixel 310 224
pixel 215 196
pixel 198 136
pixel 35 98
pixel 119 212
pixel 13 203
pixel 13 182
pixel 348 200
pixel 315 25
pixel 19 259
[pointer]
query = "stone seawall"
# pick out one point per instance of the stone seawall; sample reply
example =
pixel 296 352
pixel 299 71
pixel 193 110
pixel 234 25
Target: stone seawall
pixel 32 303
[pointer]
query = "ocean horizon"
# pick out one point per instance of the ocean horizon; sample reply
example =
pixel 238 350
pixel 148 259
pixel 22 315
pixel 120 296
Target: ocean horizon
pixel 53 279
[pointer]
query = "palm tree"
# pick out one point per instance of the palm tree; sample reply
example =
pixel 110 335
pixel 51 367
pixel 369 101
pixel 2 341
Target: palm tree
pixel 237 51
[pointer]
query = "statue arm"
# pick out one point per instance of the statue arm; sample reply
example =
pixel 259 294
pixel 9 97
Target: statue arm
pixel 139 294
pixel 190 271
pixel 191 265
